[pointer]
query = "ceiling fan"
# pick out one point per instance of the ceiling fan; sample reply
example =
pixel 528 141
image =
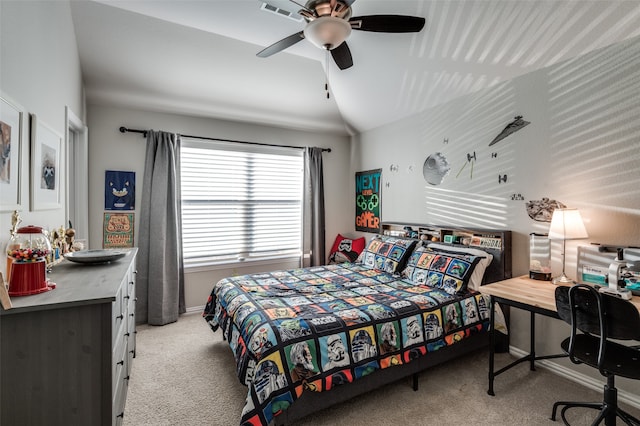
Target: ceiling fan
pixel 329 23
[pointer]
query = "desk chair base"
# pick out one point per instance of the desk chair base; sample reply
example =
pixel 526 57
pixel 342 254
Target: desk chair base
pixel 609 409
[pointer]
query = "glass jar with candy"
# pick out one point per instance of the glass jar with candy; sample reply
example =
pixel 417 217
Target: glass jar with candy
pixel 29 248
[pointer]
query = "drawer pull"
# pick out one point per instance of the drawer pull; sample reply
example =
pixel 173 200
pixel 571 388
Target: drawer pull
pixel 126 334
pixel 132 315
pixel 131 282
pixel 127 297
pixel 121 316
pixel 121 415
pixel 120 362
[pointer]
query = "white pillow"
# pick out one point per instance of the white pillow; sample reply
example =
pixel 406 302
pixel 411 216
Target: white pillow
pixel 478 273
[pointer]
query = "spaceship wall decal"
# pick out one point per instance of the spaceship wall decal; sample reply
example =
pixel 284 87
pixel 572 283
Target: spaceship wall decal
pixel 517 124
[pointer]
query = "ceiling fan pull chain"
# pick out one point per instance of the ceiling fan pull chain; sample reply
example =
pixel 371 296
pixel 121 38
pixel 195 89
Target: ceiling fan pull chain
pixel 326 66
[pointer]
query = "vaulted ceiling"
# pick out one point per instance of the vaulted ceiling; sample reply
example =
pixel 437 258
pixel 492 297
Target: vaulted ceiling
pixel 198 57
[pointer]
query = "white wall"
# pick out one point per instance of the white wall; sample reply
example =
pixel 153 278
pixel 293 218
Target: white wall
pixel 581 148
pixel 40 71
pixel 111 150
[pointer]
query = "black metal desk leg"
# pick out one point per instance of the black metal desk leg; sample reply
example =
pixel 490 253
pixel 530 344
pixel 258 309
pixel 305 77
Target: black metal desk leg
pixel 532 361
pixel 492 343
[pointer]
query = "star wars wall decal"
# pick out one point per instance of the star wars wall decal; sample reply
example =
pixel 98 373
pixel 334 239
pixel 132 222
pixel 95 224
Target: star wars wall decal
pixel 435 168
pixel 542 210
pixel 517 124
pixel 471 158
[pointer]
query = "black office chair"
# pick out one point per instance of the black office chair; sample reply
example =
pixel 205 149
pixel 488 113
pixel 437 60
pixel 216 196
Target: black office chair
pixel 599 318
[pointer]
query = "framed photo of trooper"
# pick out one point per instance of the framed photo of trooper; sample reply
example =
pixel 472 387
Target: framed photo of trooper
pixel 46 170
pixel 11 136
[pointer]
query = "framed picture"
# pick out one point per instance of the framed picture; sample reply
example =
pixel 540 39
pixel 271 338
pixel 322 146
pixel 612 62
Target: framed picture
pixel 368 200
pixel 11 116
pixel 45 166
pixel 118 230
pixel 119 190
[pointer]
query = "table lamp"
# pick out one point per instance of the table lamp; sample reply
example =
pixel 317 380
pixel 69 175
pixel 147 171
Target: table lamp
pixel 566 224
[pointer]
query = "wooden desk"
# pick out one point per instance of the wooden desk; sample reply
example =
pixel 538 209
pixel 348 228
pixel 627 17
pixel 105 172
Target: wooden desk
pixel 537 297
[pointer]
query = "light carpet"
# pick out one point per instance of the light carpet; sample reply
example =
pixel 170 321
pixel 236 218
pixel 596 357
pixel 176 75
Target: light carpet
pixel 184 374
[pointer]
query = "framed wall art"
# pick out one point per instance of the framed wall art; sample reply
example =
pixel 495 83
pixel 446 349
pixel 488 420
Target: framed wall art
pixel 119 190
pixel 46 145
pixel 368 200
pixel 118 230
pixel 11 116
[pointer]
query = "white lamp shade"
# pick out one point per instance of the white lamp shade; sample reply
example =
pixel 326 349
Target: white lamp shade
pixel 327 32
pixel 567 224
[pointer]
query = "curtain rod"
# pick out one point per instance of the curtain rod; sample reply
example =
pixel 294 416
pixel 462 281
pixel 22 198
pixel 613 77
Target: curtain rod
pixel 144 133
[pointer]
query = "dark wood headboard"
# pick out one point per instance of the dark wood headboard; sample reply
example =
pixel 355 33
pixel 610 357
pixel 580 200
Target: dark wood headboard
pixel 496 242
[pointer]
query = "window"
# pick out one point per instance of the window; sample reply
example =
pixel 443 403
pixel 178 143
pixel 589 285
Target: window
pixel 240 202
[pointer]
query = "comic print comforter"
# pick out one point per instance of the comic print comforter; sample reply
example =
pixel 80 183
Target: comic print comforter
pixel 316 328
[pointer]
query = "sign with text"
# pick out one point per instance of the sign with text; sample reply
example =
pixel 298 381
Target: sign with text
pixel 368 200
pixel 118 230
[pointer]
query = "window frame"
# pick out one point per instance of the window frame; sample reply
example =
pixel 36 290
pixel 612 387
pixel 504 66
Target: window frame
pixel 246 259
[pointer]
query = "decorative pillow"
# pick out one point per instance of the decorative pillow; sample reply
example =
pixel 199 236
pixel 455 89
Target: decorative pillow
pixel 387 253
pixel 439 269
pixel 478 272
pixel 346 250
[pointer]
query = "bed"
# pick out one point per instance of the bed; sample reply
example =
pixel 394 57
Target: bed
pixel 305 339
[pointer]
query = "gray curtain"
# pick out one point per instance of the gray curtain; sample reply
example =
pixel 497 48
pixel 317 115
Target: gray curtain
pixel 160 279
pixel 314 234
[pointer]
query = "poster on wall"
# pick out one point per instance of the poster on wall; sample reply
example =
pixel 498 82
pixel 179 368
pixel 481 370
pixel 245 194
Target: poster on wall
pixel 368 200
pixel 118 230
pixel 46 147
pixel 119 190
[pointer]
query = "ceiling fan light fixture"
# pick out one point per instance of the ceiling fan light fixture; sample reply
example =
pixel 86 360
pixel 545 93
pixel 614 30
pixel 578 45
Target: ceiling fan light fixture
pixel 327 32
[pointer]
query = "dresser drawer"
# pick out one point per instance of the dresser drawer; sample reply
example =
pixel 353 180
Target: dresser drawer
pixel 118 314
pixel 119 359
pixel 131 324
pixel 119 399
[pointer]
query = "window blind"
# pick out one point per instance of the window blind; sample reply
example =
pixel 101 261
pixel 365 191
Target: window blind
pixel 240 203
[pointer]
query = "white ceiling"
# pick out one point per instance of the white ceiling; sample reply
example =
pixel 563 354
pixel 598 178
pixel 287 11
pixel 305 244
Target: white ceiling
pixel 197 57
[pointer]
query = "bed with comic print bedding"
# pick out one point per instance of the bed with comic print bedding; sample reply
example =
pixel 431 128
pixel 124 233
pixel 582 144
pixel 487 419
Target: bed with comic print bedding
pixel 305 339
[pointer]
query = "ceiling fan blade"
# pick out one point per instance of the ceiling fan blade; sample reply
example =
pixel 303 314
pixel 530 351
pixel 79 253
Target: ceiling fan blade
pixel 342 56
pixel 388 23
pixel 281 45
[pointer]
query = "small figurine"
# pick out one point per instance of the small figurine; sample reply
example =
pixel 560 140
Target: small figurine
pixel 15 221
pixel 71 243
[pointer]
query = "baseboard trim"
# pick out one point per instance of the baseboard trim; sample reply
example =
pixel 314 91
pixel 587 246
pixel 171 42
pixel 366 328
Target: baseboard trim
pixel 195 309
pixel 580 378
